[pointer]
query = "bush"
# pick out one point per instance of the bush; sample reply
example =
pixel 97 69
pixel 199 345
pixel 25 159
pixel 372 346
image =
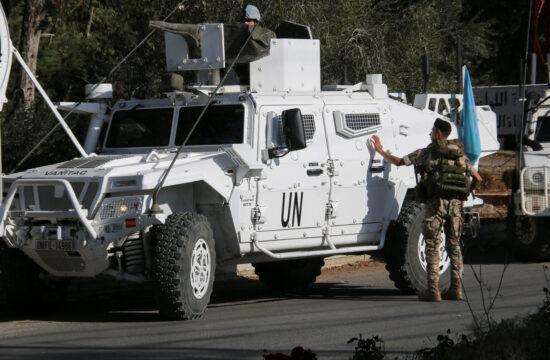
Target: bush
pixel 488 180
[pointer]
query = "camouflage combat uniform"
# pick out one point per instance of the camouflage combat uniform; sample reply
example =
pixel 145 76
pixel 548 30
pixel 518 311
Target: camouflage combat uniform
pixel 441 213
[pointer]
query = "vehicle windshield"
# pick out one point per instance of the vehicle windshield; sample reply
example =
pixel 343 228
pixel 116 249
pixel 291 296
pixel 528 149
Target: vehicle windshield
pixel 542 133
pixel 221 124
pixel 140 128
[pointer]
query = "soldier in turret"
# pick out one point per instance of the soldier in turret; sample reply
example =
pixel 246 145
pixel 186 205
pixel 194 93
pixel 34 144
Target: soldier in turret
pixel 249 15
pixel 445 183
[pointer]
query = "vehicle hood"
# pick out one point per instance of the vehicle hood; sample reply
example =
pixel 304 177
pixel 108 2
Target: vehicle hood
pixel 218 168
pixel 537 158
pixel 145 171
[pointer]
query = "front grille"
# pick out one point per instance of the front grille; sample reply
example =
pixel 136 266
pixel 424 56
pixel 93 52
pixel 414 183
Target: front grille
pixel 536 190
pixel 54 197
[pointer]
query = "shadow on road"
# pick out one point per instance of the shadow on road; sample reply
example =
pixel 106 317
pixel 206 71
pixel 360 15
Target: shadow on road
pixel 109 300
pixel 492 255
pixel 130 303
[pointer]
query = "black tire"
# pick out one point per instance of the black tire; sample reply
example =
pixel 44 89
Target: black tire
pixel 289 275
pixel 404 260
pixel 27 292
pixel 528 237
pixel 185 238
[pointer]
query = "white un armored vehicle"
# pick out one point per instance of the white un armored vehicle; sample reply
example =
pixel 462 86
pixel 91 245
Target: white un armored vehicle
pixel 278 173
pixel 529 215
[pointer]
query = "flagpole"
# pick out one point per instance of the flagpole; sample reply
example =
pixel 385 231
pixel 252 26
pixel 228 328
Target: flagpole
pixel 522 100
pixel 459 70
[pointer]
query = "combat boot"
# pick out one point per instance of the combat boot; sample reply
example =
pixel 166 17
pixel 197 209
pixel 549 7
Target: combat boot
pixel 432 293
pixel 454 292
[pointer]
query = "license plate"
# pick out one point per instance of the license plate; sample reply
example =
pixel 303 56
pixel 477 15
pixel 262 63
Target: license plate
pixel 55 245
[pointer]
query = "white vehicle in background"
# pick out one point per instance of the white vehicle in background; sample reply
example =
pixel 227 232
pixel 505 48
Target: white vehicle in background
pixel 277 173
pixel 529 214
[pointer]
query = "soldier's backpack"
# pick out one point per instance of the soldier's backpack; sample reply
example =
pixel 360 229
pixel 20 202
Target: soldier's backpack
pixel 444 176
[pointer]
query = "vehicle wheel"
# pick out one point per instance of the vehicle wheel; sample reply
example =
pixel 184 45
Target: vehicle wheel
pixel 28 292
pixel 184 265
pixel 528 237
pixel 289 275
pixel 405 252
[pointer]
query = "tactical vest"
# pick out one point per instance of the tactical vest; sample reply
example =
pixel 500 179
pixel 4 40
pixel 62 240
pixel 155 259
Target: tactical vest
pixel 444 174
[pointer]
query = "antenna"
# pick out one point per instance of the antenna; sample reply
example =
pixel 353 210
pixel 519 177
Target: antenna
pixel 426 71
pixel 523 75
pixel 459 82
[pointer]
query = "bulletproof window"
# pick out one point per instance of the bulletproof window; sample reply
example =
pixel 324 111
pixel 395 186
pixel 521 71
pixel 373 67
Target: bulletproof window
pixel 309 129
pixel 431 104
pixel 292 30
pixel 140 128
pixel 442 107
pixel 221 124
pixel 542 133
pixel 455 104
pixel 455 110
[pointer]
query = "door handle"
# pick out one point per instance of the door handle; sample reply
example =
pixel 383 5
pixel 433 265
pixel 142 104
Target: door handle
pixel 314 172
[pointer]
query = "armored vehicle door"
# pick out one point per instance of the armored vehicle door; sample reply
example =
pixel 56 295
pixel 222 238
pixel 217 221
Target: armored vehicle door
pixel 361 197
pixel 293 190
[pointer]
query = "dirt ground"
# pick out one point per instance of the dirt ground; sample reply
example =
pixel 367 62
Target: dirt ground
pixel 371 264
pixel 495 191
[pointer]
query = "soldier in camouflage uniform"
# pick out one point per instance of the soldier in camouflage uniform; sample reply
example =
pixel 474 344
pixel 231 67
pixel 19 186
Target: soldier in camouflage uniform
pixel 443 202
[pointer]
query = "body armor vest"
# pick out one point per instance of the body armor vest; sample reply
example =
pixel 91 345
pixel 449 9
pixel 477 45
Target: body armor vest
pixel 443 176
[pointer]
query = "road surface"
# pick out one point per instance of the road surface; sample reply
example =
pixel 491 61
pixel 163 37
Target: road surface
pixel 245 318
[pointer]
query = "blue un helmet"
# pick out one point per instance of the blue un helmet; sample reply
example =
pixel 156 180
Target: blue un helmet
pixel 249 12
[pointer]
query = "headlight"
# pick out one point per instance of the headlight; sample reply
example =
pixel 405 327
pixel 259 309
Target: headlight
pixel 537 178
pixel 117 207
pixel 123 209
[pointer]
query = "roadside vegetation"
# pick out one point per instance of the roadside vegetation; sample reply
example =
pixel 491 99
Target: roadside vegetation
pixel 522 338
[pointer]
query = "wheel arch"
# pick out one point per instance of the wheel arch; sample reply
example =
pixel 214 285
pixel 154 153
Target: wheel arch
pixel 200 197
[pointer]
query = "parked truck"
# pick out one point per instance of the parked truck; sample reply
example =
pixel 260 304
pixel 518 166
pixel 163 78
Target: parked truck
pixel 528 215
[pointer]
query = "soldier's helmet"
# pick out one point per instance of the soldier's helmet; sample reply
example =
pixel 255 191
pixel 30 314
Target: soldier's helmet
pixel 249 12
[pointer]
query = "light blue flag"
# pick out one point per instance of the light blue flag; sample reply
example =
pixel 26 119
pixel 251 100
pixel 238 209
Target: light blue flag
pixel 470 131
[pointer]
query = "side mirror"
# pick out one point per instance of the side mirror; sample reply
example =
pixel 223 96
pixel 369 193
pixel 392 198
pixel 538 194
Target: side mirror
pixel 293 129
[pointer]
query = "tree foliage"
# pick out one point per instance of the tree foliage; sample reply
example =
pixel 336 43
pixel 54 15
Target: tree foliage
pixel 357 37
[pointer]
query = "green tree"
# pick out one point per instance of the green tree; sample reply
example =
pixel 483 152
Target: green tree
pixel 358 36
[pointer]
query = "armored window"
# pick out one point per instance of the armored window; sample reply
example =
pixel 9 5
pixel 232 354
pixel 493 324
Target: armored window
pixel 431 104
pixel 221 124
pixel 309 129
pixel 350 125
pixel 140 128
pixel 542 133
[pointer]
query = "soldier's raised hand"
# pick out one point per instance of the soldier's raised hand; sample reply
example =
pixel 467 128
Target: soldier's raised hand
pixel 376 143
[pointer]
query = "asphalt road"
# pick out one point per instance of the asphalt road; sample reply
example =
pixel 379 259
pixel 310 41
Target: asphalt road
pixel 245 318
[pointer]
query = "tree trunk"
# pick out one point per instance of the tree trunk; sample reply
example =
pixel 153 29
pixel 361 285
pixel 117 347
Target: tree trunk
pixel 34 14
pixel 90 21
